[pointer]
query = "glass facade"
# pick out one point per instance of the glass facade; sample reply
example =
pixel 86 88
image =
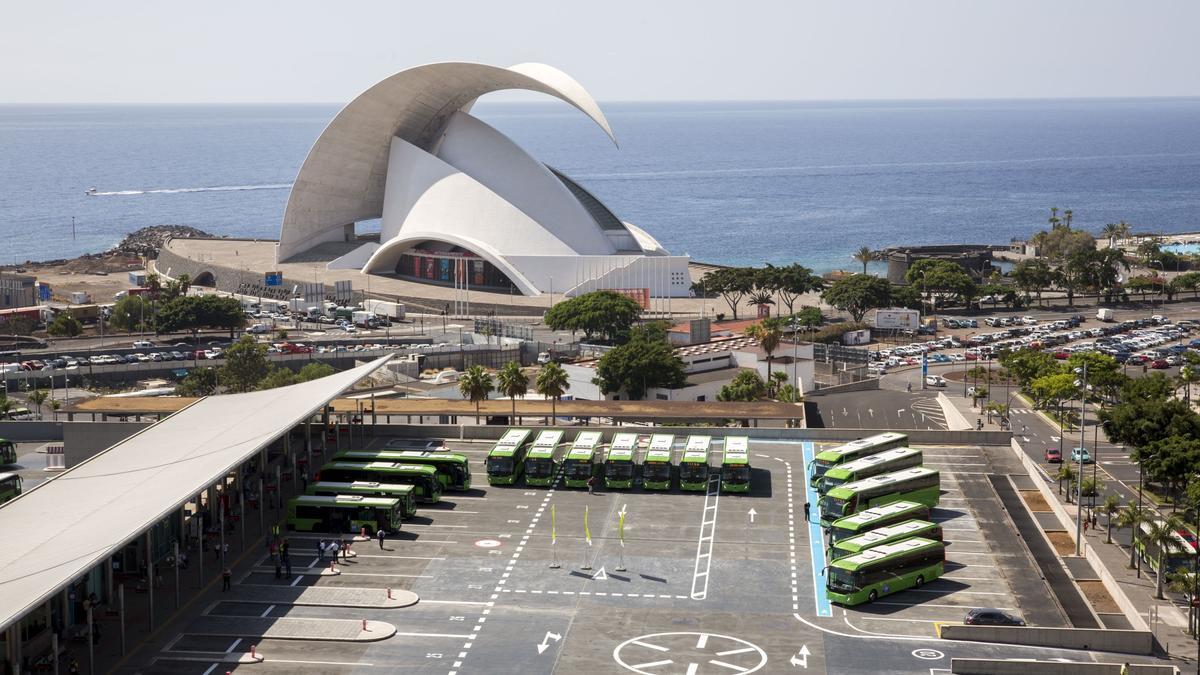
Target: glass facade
pixel 441 267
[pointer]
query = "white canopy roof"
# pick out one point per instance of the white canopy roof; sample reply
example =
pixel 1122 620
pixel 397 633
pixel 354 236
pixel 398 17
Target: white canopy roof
pixel 68 525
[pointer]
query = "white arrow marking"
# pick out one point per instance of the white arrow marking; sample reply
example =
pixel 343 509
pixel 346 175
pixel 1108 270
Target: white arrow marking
pixel 546 641
pixel 622 512
pixel 599 575
pixel 800 659
pixel 752 513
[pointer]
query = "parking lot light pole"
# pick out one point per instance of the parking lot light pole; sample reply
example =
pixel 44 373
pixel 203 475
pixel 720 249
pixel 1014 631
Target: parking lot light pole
pixel 1079 483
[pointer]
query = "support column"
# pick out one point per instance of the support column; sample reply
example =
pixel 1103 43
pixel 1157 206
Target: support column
pixel 91 642
pixel 262 507
pixel 121 609
pixel 108 581
pixel 177 575
pixel 150 577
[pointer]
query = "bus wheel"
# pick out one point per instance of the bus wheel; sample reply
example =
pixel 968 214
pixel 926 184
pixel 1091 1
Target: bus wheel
pixel 920 582
pixel 872 596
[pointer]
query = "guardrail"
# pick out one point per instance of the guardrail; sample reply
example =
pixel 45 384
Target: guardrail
pixel 1092 639
pixel 1025 666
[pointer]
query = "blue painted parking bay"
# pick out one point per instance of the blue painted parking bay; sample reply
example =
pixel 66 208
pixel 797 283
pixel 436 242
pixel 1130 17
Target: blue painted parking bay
pixel 816 540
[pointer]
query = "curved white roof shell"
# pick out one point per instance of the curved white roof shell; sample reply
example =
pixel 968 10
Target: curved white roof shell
pixel 342 180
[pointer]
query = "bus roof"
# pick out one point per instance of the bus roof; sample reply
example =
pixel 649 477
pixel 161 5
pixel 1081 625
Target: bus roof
pixel 695 456
pixel 620 454
pixel 849 468
pixel 587 439
pixel 658 455
pixel 885 551
pixel 624 442
pixel 854 446
pixel 449 457
pixel 8 474
pixel 662 442
pixel 346 500
pixel 698 443
pixel 737 444
pixel 881 480
pixel 547 439
pixel 514 437
pixel 385 466
pixel 361 485
pixel 1185 539
pixel 880 512
pixel 908 528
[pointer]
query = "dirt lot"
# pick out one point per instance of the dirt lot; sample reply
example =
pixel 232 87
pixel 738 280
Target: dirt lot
pixel 1098 597
pixel 100 276
pixel 1034 500
pixel 1062 542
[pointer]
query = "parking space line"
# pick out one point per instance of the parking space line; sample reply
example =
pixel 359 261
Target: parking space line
pixel 815 538
pixel 959 590
pixel 445 635
pixel 930 604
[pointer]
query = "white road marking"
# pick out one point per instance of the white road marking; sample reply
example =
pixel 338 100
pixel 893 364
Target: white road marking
pixel 648 645
pixel 708 529
pixel 266 611
pixel 445 635
pixel 235 643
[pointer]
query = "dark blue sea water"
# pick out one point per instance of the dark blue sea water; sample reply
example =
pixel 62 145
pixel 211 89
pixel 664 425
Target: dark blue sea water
pixel 741 183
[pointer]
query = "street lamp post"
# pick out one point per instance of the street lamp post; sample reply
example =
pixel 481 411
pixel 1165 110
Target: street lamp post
pixel 1134 528
pixel 1079 481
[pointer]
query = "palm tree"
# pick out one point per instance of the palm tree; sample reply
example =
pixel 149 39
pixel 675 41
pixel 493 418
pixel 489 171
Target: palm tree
pixel 6 405
pixel 1132 516
pixel 1111 231
pixel 37 397
pixel 864 255
pixel 55 406
pixel 1160 535
pixel 1123 231
pixel 511 382
pixel 475 384
pixel 1183 582
pixel 552 382
pixel 1066 473
pixel 768 333
pixel 1110 507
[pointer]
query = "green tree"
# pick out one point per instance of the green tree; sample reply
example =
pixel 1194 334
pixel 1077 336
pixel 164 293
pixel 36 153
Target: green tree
pixel 768 333
pixel 733 284
pixel 808 317
pixel 790 282
pixel 1060 241
pixel 864 255
pixel 942 281
pixel 1051 391
pixel 199 382
pixel 1188 281
pixel 1110 507
pixel 1033 276
pixel 747 385
pixel 1171 461
pixel 475 384
pixel 646 361
pixel 314 371
pixel 1145 413
pixel 193 312
pixel 1066 474
pixel 604 313
pixel 1104 376
pixel 55 406
pixel 245 366
pixel 857 294
pixel 908 297
pixel 511 382
pixel 1132 516
pixel 1160 535
pixel 64 325
pixel 37 397
pixel 1028 365
pixel 552 382
pixel 131 313
pixel 278 377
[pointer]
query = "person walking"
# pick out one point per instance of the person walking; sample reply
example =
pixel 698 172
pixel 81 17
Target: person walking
pixel 591 483
pixel 380 534
pixel 321 551
pixel 807 512
pixel 345 550
pixel 227 577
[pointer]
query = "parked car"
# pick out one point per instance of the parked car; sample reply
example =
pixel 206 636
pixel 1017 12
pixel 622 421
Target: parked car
pixel 1160 364
pixel 988 616
pixel 1054 455
pixel 935 381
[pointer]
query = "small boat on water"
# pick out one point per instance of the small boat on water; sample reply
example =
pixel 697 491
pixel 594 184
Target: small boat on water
pixel 91 192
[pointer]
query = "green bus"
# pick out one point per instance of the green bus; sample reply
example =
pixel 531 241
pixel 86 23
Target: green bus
pixel 10 486
pixel 884 570
pixel 735 464
pixel 886 535
pixel 619 462
pixel 851 451
pixel 539 461
pixel 406 494
pixel 657 466
pixel 1182 555
pixel 693 467
pixel 875 518
pixel 422 477
pixel 453 470
pixel 918 484
pixel 506 460
pixel 8 452
pixel 871 465
pixel 343 513
pixel 580 464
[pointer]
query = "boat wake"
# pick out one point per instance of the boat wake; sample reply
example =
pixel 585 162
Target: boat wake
pixel 171 191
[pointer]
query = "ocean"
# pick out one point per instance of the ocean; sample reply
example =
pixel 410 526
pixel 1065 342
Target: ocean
pixel 738 183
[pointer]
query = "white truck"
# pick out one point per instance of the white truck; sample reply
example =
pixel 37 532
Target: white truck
pixel 393 311
pixel 1105 314
pixel 364 319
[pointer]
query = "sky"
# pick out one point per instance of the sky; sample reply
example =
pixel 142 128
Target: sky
pixel 221 51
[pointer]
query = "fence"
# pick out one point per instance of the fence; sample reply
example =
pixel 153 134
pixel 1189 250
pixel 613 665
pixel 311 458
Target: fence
pixel 55 459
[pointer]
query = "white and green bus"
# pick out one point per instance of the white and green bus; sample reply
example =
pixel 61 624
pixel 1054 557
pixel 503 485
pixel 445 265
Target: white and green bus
pixel 1181 555
pixel 506 460
pixel 885 535
pixel 735 464
pixel 343 513
pixel 422 477
pixel 620 462
pixel 658 464
pixel 918 484
pixel 886 569
pixel 539 461
pixel 406 494
pixel 580 464
pixel 453 469
pixel 693 467
pixel 10 486
pixel 827 459
pixel 871 465
pixel 875 518
pixel 8 452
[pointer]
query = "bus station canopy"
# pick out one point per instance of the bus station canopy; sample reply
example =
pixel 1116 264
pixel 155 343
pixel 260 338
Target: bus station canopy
pixel 62 528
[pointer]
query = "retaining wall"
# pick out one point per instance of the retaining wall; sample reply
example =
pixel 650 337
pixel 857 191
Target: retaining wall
pixel 1091 639
pixel 31 431
pixel 1025 667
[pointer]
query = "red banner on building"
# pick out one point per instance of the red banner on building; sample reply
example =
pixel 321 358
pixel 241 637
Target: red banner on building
pixel 639 295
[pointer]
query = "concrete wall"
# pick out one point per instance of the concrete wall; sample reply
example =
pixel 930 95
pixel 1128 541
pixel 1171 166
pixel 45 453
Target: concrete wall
pixel 861 385
pixel 31 431
pixel 82 440
pixel 1024 667
pixel 1104 640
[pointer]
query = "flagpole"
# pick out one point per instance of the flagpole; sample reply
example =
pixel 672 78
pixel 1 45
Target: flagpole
pixel 587 536
pixel 554 564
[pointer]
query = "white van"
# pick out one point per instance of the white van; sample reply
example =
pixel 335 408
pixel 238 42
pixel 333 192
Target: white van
pixel 935 381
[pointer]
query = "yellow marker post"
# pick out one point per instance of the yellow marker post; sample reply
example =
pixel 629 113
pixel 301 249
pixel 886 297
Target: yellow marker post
pixel 554 564
pixel 587 536
pixel 621 538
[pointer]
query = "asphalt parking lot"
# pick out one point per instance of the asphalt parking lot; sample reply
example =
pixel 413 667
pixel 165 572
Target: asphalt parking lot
pixel 706 582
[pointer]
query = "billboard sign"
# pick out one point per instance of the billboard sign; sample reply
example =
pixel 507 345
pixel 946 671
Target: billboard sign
pixel 898 319
pixel 273 279
pixel 313 293
pixel 343 292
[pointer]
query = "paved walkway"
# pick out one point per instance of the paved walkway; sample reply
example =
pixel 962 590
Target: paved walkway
pixel 317 596
pixel 329 630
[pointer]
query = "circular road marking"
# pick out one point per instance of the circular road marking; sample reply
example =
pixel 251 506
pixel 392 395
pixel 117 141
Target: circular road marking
pixel 487 543
pixel 691 653
pixel 928 654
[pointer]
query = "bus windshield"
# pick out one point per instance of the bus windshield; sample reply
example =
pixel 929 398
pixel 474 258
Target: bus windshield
pixel 833 508
pixel 656 471
pixel 737 474
pixel 537 468
pixel 820 466
pixel 830 482
pixel 577 468
pixel 692 472
pixel 499 466
pixel 620 471
pixel 842 581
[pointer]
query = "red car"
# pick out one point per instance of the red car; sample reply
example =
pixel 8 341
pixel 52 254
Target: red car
pixel 1159 364
pixel 1061 356
pixel 1054 455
